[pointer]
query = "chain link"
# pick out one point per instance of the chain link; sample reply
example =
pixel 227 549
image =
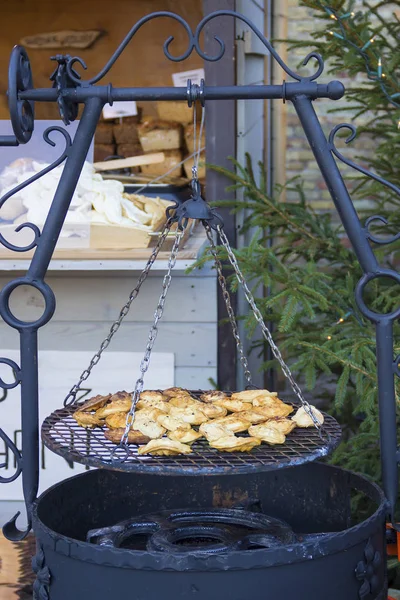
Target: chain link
pixel 266 332
pixel 227 299
pixel 144 365
pixel 71 397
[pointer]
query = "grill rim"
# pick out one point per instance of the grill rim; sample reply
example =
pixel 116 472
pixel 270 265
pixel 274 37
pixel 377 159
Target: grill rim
pixel 240 560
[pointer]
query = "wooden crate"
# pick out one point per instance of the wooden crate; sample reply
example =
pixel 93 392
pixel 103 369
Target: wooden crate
pixel 104 237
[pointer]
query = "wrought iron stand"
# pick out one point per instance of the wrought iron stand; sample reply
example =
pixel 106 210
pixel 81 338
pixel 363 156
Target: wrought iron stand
pixel 69 91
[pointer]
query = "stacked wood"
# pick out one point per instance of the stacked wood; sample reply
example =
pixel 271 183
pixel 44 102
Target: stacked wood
pixel 103 151
pixel 172 133
pixel 104 144
pixel 126 133
pixel 156 135
pixel 190 138
pixel 179 112
pixel 104 133
pixel 173 158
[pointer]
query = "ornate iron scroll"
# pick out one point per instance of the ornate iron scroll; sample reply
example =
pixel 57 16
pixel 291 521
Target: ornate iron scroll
pixel 69 90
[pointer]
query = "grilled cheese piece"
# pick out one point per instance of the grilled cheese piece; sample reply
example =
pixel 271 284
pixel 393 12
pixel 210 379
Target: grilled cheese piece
pixel 164 447
pixel 267 434
pixel 303 419
pixel 235 444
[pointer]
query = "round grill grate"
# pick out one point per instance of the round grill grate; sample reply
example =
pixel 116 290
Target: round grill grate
pixel 62 435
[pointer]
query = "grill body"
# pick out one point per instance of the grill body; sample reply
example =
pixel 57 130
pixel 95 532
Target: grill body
pixel 347 563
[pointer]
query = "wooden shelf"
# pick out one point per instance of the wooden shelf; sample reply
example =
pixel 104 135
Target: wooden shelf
pixel 88 259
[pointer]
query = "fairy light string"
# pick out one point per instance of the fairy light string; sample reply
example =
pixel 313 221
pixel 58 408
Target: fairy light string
pixel 343 28
pixel 340 320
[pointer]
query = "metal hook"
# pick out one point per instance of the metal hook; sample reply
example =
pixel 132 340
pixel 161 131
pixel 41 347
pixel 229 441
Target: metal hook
pixel 11 531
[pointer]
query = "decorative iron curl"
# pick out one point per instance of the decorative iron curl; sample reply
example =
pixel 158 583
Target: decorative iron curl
pixel 24 184
pixel 193 44
pixel 16 371
pixel 352 164
pixel 263 40
pixel 22 112
pixel 370 236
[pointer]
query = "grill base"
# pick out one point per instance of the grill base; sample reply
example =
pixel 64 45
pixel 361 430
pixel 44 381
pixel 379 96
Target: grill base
pixel 313 498
pixel 62 435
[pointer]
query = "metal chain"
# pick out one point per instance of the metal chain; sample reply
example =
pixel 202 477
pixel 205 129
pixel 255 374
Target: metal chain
pixel 71 397
pixel 197 144
pixel 266 332
pixel 144 365
pixel 227 299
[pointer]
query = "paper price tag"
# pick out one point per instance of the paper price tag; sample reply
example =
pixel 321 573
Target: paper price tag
pixel 180 79
pixel 118 110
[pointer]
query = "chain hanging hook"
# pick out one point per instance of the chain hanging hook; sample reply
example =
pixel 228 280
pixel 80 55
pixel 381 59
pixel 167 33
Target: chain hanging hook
pixel 196 207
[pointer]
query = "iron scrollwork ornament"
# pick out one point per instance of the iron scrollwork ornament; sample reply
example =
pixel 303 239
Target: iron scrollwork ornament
pixel 43 577
pixel 353 132
pixel 21 186
pixel 193 45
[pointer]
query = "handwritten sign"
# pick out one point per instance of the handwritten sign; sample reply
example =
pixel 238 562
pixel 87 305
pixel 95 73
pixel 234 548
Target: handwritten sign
pixel 180 79
pixel 119 110
pixel 62 39
pixel 58 371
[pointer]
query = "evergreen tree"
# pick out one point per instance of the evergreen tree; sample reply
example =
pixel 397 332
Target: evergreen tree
pixel 310 269
pixel 362 40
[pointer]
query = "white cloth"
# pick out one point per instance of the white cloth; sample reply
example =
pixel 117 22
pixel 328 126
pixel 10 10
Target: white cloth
pixel 95 199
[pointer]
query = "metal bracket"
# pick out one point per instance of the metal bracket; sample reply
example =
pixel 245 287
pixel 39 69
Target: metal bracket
pixel 194 208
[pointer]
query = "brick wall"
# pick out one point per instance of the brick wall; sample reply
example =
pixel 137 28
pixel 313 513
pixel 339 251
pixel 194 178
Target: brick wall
pixel 299 158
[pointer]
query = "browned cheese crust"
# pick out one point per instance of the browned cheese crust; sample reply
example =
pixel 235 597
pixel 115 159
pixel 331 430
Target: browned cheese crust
pixel 134 436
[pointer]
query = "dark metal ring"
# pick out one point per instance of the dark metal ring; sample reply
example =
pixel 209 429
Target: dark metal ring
pixel 284 91
pixel 360 287
pixel 11 319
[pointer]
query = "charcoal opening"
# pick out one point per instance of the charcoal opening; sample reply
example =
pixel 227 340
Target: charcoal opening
pixel 101 498
pixel 197 541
